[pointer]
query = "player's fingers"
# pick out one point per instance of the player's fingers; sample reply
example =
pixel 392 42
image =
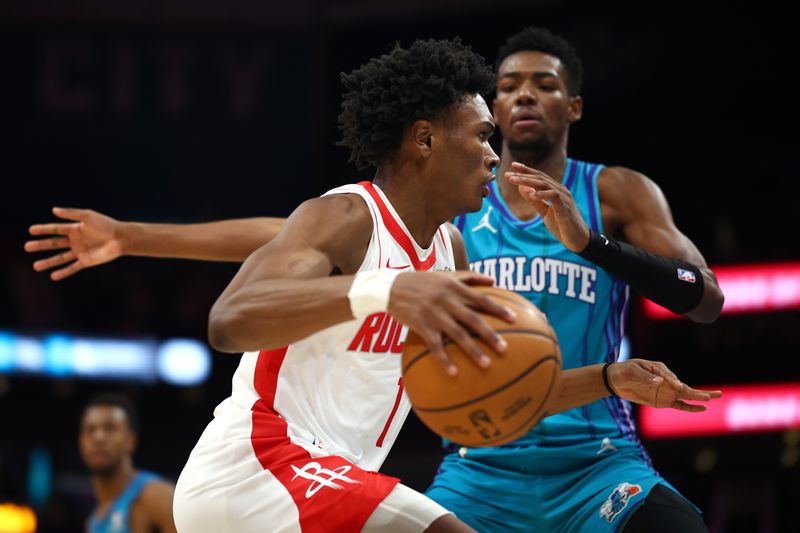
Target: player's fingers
pixel 688 407
pixel 434 341
pixel 71 213
pixel 50 262
pixel 688 393
pixel 473 322
pixel 465 341
pixel 524 170
pixel 522 167
pixel 669 376
pixel 546 196
pixel 46 244
pixel 481 303
pixel 533 174
pixel 531 181
pixel 62 273
pixel 51 229
pixel 532 196
pixel 634 374
pixel 471 278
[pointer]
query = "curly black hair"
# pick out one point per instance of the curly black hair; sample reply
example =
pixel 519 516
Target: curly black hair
pixel 543 40
pixel 115 400
pixel 385 96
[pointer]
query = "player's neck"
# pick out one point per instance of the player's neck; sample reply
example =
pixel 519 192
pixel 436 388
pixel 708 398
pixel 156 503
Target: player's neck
pixel 107 488
pixel 418 210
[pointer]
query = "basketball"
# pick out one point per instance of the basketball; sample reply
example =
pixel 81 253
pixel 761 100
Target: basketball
pixel 487 406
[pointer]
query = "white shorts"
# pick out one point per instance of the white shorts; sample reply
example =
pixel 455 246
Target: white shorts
pixel 267 483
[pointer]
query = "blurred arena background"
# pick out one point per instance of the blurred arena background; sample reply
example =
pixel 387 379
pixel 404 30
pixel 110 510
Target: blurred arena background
pixel 188 111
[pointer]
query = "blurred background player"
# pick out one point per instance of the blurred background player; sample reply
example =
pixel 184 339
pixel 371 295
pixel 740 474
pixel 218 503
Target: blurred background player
pixel 128 500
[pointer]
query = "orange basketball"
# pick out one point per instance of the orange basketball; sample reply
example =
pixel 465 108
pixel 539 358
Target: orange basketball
pixel 487 406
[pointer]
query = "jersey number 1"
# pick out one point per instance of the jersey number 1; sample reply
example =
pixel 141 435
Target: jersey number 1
pixel 379 443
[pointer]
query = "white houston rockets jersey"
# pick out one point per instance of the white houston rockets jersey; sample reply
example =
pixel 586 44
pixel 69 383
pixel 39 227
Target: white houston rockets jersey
pixel 340 390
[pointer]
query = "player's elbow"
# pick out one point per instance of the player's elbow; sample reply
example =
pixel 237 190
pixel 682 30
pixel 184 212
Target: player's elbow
pixel 224 325
pixel 710 306
pixel 717 302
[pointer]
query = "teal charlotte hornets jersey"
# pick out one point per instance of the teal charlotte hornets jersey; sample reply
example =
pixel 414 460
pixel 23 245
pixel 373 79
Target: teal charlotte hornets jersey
pixel 586 306
pixel 117 518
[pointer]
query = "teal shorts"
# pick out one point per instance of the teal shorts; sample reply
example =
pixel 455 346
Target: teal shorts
pixel 592 487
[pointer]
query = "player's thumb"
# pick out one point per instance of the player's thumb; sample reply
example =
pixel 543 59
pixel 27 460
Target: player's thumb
pixel 471 278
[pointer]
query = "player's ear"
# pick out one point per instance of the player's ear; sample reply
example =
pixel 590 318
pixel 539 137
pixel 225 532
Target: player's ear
pixel 575 111
pixel 133 442
pixel 422 137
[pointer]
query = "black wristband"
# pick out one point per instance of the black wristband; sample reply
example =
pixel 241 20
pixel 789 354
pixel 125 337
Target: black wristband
pixel 605 379
pixel 672 283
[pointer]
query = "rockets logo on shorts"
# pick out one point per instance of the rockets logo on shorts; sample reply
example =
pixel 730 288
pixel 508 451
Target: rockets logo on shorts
pixel 686 275
pixel 322 477
pixel 618 500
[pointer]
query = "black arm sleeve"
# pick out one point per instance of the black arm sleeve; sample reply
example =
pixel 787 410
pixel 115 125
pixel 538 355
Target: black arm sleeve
pixel 672 283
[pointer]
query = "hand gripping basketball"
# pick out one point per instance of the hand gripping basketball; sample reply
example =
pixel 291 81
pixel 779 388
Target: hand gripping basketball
pixel 487 405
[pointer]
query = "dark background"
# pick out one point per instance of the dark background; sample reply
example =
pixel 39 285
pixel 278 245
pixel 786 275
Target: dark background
pixel 197 110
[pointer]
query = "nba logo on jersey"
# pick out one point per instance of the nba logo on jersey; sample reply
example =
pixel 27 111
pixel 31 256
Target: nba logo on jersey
pixel 618 500
pixel 686 275
pixel 117 521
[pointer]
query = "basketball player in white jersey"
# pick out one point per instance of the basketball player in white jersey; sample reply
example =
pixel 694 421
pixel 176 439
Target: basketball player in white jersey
pixel 313 413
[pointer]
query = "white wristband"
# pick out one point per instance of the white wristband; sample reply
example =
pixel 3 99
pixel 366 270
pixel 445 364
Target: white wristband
pixel 370 290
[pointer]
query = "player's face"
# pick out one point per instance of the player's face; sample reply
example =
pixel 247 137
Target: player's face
pixel 466 159
pixel 533 108
pixel 105 439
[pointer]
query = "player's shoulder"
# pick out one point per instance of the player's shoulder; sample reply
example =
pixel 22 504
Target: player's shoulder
pixel 621 176
pixel 620 184
pixel 156 487
pixel 337 225
pixel 347 205
pixel 153 506
pixel 453 231
pixel 459 248
pixel 154 493
pixel 333 214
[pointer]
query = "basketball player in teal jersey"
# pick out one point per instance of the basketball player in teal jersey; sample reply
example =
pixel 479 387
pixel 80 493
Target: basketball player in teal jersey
pixel 550 234
pixel 128 500
pixel 583 470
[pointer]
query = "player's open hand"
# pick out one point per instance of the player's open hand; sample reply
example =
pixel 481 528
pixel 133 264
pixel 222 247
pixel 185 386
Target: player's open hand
pixel 554 203
pixel 440 305
pixel 90 239
pixel 652 383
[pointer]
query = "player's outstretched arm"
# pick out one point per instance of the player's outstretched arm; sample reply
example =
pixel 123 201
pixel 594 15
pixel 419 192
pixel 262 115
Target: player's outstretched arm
pixel 300 283
pixel 88 238
pixel 637 380
pixel 657 260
